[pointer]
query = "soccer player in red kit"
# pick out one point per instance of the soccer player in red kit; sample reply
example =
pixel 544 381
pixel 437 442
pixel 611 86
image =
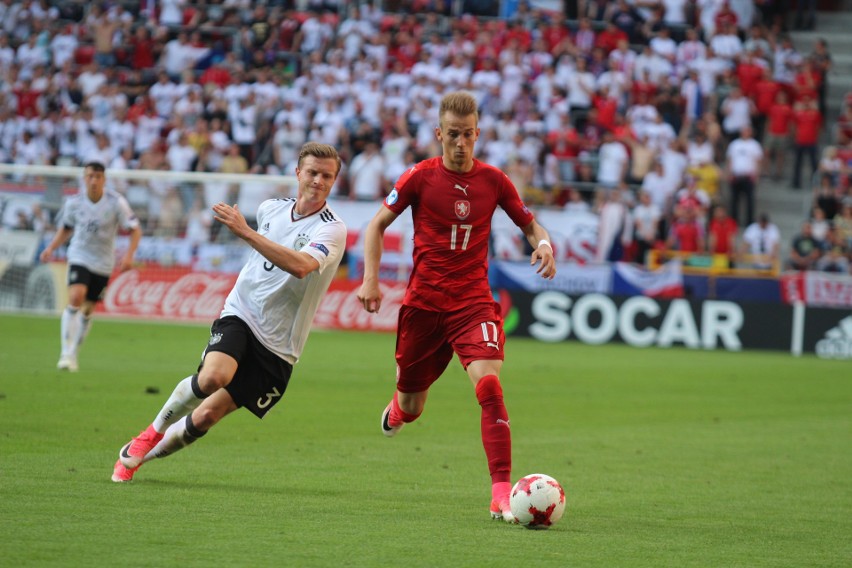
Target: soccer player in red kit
pixel 448 305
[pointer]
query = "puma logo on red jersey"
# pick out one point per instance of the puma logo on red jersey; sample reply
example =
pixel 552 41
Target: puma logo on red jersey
pixel 462 189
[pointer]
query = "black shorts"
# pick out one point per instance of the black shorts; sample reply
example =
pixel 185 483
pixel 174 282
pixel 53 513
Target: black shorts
pixel 261 377
pixel 95 283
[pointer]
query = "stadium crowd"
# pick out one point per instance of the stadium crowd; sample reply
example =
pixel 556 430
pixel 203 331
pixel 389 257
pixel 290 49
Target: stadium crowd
pixel 662 117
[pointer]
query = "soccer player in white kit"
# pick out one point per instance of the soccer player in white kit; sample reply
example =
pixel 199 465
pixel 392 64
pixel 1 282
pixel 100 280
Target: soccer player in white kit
pixel 91 219
pixel 267 316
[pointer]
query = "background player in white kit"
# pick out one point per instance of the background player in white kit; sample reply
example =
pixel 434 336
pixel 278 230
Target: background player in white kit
pixel 91 220
pixel 267 316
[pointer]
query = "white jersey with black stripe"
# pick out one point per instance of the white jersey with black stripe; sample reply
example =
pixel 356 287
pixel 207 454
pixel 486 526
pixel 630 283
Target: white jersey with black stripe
pixel 95 226
pixel 278 307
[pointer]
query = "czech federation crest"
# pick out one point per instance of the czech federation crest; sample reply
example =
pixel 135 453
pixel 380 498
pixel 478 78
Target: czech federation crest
pixel 301 241
pixel 462 209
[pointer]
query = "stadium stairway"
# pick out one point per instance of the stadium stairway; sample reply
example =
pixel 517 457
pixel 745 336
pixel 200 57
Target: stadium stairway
pixel 786 206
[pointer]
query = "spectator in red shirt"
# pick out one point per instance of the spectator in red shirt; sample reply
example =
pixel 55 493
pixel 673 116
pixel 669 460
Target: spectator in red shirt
pixel 749 72
pixel 610 36
pixel 844 125
pixel 143 47
pixel 217 74
pixel 779 120
pixel 764 95
pixel 725 16
pixel 27 99
pixel 807 122
pixel 722 234
pixel 686 234
pixel 607 107
pixel 554 35
pixel 807 81
pixel 643 89
pixel 564 144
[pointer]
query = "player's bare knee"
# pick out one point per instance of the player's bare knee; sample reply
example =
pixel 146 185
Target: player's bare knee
pixel 412 404
pixel 211 379
pixel 203 418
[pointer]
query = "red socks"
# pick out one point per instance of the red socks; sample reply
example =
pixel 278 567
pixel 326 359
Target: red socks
pixel 396 416
pixel 496 436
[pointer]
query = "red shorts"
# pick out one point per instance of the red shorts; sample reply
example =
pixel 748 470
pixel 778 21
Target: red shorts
pixel 426 340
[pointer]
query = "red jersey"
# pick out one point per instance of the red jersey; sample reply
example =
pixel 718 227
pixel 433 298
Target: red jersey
pixel 765 92
pixel 564 143
pixel 687 235
pixel 452 227
pixel 808 123
pixel 607 109
pixel 779 119
pixel 749 75
pixel 806 84
pixel 723 232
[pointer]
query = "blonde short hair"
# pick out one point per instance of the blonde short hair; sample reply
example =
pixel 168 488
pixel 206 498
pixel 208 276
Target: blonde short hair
pixel 318 150
pixel 460 103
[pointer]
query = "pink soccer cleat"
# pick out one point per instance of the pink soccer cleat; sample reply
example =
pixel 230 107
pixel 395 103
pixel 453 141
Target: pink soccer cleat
pixel 500 509
pixel 132 454
pixel 121 474
pixel 387 429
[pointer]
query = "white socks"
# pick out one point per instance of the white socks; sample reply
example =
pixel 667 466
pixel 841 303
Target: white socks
pixel 74 327
pixel 70 330
pixel 179 435
pixel 184 399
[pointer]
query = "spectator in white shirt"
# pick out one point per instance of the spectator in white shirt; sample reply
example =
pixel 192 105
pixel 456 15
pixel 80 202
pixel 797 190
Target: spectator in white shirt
pixel 581 89
pixel 90 80
pixel 366 174
pixel 737 110
pixel 612 161
pixel 663 45
pixel 243 118
pixel 646 220
pixel 761 241
pixel 171 12
pixel 63 45
pixel 744 158
pixel 31 54
pixel 659 187
pixel 726 43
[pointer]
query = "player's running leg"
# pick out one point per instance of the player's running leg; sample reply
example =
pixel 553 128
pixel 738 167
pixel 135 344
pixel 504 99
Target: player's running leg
pixel 177 436
pixel 394 418
pixel 83 331
pixel 497 441
pixel 69 325
pixel 183 400
pixel 183 432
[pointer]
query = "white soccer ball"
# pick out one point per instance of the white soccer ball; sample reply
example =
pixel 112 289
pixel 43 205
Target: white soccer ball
pixel 537 501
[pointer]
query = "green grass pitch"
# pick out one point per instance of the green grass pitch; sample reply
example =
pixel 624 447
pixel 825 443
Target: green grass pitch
pixel 668 457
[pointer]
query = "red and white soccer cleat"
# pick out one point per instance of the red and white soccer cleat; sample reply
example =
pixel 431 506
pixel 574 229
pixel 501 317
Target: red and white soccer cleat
pixel 387 429
pixel 132 454
pixel 121 474
pixel 500 509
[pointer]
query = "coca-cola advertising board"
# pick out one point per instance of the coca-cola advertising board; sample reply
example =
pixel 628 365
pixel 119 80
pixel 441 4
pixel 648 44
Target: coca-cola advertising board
pixel 180 294
pixel 167 293
pixel 340 308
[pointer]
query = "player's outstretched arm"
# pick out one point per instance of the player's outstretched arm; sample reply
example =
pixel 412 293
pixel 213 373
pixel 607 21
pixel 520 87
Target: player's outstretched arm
pixel 127 260
pixel 369 293
pixel 60 238
pixel 542 253
pixel 299 264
